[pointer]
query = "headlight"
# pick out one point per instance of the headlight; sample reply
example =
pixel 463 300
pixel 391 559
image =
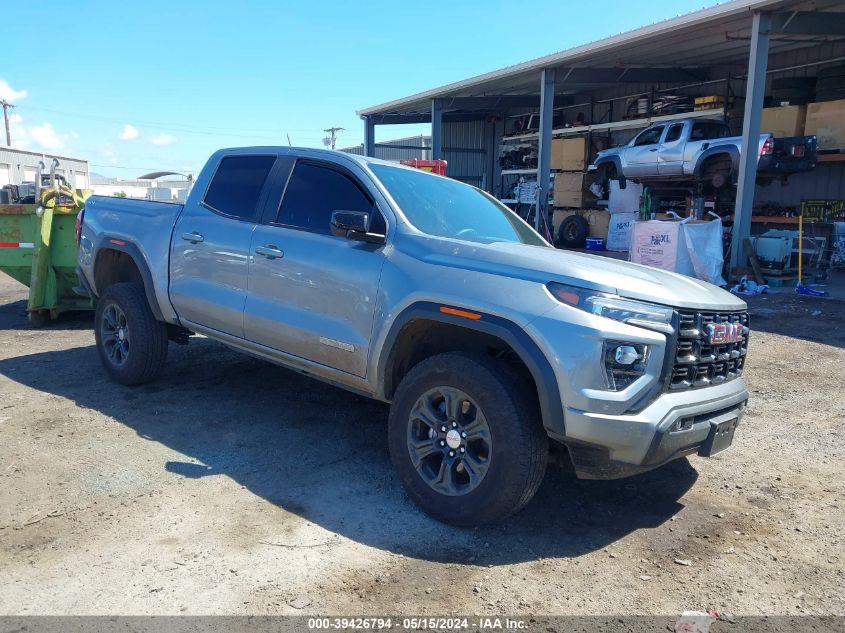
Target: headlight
pixel 623 363
pixel 647 315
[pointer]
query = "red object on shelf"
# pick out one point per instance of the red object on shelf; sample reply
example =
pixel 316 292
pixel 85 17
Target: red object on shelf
pixel 435 166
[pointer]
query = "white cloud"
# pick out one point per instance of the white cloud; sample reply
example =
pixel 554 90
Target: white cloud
pixel 10 94
pixel 45 136
pixel 107 151
pixel 163 138
pixel 20 136
pixel 42 137
pixel 128 133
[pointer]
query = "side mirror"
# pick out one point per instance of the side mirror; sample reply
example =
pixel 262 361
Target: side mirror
pixel 353 226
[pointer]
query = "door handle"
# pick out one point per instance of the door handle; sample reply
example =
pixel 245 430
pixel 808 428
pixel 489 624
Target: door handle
pixel 193 237
pixel 653 150
pixel 269 251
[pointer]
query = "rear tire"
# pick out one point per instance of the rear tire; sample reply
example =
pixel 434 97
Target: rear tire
pixel 39 318
pixel 487 413
pixel 131 343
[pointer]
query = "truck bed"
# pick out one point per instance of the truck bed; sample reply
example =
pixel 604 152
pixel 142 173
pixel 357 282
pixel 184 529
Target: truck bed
pixel 129 225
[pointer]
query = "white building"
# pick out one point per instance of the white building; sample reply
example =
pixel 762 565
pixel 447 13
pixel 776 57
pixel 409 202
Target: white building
pixel 18 165
pixel 159 190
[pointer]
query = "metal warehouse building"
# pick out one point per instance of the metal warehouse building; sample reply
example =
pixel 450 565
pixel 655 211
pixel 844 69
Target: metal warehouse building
pixel 745 52
pixel 406 148
pixel 17 166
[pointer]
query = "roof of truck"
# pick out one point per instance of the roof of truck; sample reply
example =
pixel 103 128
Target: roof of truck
pixel 310 151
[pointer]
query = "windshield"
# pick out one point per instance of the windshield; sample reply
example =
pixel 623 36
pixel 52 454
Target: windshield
pixel 447 208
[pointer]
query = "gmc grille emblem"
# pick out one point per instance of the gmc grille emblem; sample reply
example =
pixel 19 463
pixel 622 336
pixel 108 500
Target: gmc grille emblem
pixel 724 333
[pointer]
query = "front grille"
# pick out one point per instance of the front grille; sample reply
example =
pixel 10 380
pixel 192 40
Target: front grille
pixel 697 362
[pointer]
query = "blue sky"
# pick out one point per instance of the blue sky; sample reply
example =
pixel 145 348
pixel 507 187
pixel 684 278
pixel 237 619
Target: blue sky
pixel 136 87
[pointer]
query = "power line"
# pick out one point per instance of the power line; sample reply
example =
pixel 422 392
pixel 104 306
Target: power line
pixel 208 130
pixel 331 139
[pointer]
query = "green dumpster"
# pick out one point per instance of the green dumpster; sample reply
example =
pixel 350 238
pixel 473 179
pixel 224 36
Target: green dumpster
pixel 38 248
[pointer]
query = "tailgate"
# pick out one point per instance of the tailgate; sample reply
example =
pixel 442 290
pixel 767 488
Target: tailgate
pixel 795 149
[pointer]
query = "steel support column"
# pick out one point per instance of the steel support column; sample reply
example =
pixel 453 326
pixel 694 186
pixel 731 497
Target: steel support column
pixel 758 60
pixel 436 129
pixel 369 137
pixel 544 155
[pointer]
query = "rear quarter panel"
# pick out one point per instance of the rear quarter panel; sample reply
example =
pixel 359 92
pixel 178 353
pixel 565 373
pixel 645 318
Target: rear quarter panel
pixel 146 225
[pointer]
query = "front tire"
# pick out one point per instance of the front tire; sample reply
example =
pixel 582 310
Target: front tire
pixel 131 343
pixel 466 440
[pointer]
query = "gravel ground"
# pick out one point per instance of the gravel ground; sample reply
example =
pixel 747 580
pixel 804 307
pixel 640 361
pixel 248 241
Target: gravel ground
pixel 230 486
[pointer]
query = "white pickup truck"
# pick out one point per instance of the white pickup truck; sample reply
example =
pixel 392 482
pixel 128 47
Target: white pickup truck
pixel 701 150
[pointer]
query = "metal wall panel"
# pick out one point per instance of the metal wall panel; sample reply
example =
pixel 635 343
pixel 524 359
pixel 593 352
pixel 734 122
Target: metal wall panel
pixel 825 182
pixel 466 153
pixel 391 153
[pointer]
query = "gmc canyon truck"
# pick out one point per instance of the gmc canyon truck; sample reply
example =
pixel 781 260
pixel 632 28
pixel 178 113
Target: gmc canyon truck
pixel 428 294
pixel 702 150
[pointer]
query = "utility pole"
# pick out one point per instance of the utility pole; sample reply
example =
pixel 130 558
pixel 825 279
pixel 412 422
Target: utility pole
pixel 6 107
pixel 330 140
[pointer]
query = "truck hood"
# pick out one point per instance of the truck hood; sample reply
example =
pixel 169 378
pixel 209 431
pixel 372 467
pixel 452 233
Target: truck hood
pixel 595 272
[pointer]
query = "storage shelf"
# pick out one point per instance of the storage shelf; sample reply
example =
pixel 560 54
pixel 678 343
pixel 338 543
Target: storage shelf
pixel 830 158
pixel 509 172
pixel 618 125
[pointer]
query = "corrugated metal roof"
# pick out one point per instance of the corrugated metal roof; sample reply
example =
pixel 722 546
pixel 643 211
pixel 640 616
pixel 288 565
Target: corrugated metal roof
pixel 712 37
pixel 40 155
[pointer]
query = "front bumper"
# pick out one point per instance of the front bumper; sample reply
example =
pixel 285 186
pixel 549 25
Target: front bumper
pixel 604 446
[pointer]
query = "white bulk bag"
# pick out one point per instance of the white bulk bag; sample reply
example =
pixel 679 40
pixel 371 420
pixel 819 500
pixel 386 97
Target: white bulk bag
pixel 704 246
pixel 619 231
pixel 689 247
pixel 660 244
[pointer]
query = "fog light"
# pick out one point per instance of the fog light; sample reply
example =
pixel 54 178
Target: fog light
pixel 681 424
pixel 626 355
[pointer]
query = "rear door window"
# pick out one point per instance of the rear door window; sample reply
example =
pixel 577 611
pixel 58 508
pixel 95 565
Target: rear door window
pixel 235 189
pixel 315 191
pixel 709 130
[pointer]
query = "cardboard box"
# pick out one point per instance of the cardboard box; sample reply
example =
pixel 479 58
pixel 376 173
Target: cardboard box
pixel 569 190
pixel 569 154
pixel 826 120
pixel 598 220
pixel 784 121
pixel 712 100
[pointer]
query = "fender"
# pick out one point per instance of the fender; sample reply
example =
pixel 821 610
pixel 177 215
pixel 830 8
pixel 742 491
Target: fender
pixel 551 407
pixel 110 242
pixel 730 150
pixel 615 160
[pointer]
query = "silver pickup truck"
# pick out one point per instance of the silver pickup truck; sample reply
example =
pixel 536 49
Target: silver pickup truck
pixel 701 150
pixel 429 294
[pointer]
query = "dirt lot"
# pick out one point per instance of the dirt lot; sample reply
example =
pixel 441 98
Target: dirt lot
pixel 232 486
